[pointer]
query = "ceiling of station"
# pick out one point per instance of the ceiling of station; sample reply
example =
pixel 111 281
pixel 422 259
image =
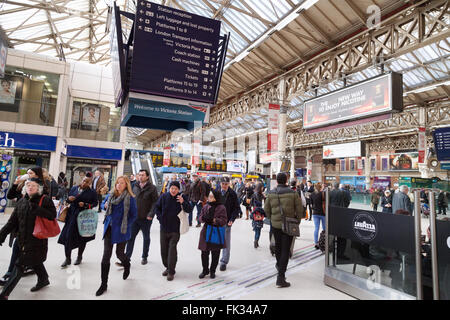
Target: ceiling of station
pixel 268 38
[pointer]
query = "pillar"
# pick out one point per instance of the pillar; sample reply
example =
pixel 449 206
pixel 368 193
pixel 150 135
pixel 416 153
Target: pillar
pixel 367 167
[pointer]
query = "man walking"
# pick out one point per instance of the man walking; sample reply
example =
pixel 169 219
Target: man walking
pixel 284 200
pixel 309 189
pixel 401 201
pixel 97 185
pixel 197 195
pixel 339 198
pixel 230 200
pixel 146 197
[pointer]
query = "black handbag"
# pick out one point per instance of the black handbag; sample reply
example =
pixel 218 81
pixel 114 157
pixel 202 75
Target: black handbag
pixel 289 226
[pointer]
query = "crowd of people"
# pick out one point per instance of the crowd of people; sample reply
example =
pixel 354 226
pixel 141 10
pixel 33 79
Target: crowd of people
pixel 134 202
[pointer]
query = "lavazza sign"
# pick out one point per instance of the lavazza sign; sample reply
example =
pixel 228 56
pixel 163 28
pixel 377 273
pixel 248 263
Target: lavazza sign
pixel 365 226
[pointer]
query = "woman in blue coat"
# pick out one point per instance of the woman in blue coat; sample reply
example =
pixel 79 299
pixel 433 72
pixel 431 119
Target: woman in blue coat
pixel 121 211
pixel 80 198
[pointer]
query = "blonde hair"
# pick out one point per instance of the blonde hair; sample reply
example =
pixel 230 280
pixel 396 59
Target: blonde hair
pixel 127 181
pixel 318 186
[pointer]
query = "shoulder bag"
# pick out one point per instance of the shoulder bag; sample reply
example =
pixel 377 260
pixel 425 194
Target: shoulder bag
pixel 45 228
pixel 87 222
pixel 184 221
pixel 289 226
pixel 215 235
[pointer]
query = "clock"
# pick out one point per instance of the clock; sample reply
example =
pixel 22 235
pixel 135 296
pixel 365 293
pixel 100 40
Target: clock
pixel 434 163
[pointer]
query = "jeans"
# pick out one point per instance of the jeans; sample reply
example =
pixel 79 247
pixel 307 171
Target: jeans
pixel 17 274
pixel 169 253
pixel 317 219
pixel 143 225
pixel 226 251
pixel 108 248
pixel 282 248
pixel 257 233
pixel 199 207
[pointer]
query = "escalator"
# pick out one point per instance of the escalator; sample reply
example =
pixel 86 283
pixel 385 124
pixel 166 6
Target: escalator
pixel 143 160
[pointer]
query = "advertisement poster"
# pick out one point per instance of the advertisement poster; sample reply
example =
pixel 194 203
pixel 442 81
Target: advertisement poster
pixel 90 117
pixel 166 159
pixel 10 93
pixel 407 161
pixel 272 132
pixel 343 150
pixel 235 166
pixel 381 182
pixel 422 145
pixel 371 97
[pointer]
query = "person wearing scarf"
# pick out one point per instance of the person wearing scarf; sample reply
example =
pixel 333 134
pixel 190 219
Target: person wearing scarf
pixel 121 211
pixel 213 213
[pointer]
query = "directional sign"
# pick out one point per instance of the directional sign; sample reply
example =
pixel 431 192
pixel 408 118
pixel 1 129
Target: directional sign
pixel 175 53
pixel 442 143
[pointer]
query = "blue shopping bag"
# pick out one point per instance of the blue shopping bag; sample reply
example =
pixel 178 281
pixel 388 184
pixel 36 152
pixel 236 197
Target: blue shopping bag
pixel 87 222
pixel 215 235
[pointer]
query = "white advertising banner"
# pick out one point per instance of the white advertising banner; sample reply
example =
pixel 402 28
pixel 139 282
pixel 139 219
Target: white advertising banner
pixel 272 125
pixel 343 150
pixel 235 166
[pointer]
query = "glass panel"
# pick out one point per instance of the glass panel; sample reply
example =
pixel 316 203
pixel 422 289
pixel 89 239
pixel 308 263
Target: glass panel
pixel 443 256
pixel 95 121
pixel 28 96
pixel 367 246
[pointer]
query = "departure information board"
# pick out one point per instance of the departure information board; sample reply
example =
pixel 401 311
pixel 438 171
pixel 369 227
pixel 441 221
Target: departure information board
pixel 442 143
pixel 175 53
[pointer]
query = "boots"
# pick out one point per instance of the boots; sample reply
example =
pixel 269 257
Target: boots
pixel 281 282
pixel 204 273
pixel 256 245
pixel 66 263
pixel 40 284
pixel 126 270
pixel 104 285
pixel 78 261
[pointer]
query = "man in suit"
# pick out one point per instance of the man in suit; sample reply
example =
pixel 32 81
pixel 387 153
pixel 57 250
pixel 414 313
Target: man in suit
pixel 97 185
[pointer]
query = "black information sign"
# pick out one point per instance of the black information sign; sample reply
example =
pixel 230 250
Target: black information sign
pixel 442 143
pixel 175 53
pixel 31 153
pixel 91 161
pixel 385 230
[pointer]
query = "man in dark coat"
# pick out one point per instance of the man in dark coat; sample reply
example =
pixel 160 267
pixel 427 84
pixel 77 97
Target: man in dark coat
pixel 146 197
pixel 231 202
pixel 80 198
pixel 167 209
pixel 339 198
pixel 309 189
pixel 198 195
pixel 33 251
pixel 97 184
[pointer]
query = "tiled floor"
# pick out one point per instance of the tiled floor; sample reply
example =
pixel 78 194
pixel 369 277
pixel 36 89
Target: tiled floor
pixel 250 273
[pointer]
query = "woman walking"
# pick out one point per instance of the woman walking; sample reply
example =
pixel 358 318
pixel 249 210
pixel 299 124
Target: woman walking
pixel 386 202
pixel 33 251
pixel 121 211
pixel 318 212
pixel 248 191
pixel 213 214
pixel 80 198
pixel 258 214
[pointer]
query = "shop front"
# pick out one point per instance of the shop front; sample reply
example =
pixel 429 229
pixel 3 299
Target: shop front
pixel 356 183
pixel 18 153
pixel 381 183
pixel 81 160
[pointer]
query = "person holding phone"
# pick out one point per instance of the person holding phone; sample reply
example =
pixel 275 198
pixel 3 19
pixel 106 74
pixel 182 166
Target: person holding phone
pixel 166 210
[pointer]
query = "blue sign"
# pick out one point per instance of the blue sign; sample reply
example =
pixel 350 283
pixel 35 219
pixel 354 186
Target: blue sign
pixel 94 153
pixel 175 53
pixel 445 166
pixel 27 141
pixel 442 143
pixel 160 115
pixel 171 170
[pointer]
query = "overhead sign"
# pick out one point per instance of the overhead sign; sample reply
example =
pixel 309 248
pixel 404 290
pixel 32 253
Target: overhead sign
pixel 375 96
pixel 117 56
pixel 27 141
pixel 441 138
pixel 175 53
pixel 343 150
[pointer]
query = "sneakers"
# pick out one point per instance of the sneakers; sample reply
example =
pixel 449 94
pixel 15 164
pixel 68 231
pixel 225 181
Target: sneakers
pixel 223 267
pixel 144 261
pixel 40 285
pixel 66 263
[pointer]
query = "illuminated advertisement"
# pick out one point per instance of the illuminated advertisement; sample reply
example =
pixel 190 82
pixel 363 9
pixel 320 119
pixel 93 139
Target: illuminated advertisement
pixel 343 150
pixel 375 96
pixel 405 161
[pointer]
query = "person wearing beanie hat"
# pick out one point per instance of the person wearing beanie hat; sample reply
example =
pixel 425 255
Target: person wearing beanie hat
pixel 167 209
pixel 33 251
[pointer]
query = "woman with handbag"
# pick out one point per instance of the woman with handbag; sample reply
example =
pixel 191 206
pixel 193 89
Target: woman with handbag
pixel 318 211
pixel 121 212
pixel 80 198
pixel 33 251
pixel 213 215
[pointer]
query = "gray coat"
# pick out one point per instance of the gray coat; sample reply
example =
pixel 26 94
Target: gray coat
pixel 401 201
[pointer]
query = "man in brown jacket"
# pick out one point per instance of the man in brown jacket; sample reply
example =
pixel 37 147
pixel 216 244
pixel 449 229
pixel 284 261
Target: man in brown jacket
pixel 97 184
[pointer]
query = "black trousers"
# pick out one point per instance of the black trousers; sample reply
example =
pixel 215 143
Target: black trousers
pixel 169 255
pixel 18 273
pixel 108 248
pixel 99 199
pixel 282 248
pixel 215 254
pixel 68 250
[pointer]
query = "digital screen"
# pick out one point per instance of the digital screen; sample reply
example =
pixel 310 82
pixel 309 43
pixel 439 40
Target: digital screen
pixel 372 97
pixel 175 53
pixel 442 143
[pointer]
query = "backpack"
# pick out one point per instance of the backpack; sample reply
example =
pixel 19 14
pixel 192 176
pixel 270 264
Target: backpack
pixel 258 216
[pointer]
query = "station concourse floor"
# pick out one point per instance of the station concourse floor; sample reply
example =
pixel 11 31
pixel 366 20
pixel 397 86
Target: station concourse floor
pixel 250 274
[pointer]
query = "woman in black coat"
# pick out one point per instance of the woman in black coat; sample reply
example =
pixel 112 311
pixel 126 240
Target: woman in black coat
pixel 386 202
pixel 248 191
pixel 80 198
pixel 33 251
